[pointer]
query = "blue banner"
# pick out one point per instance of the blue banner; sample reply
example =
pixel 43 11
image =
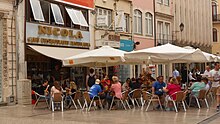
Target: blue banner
pixel 126 45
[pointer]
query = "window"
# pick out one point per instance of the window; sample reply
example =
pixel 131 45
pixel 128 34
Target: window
pixel 215 35
pixel 57 14
pixel 149 24
pixel 167 32
pixel 167 2
pixel 160 31
pixel 127 24
pixel 108 13
pixel 72 14
pixel 214 11
pixel 81 18
pixel 160 1
pixel 36 10
pixel 137 21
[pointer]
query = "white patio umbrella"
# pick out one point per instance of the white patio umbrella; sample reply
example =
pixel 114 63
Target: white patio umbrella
pixel 104 56
pixel 210 57
pixel 167 53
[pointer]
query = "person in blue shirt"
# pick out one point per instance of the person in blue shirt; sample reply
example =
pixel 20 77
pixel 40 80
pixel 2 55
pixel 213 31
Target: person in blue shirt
pixel 96 89
pixel 157 89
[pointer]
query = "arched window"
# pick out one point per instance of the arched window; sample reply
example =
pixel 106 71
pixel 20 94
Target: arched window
pixel 149 23
pixel 137 21
pixel 215 35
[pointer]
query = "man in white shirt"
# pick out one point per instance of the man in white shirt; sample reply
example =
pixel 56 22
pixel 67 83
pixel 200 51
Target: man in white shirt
pixel 215 78
pixel 176 73
pixel 207 72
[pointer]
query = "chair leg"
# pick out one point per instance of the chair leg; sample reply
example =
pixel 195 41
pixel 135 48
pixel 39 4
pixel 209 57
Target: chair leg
pixel 142 107
pixel 148 105
pixel 184 106
pixel 79 103
pixel 74 103
pixel 90 105
pixel 111 103
pixel 197 100
pixel 36 102
pixel 206 102
pixel 174 103
pixel 160 104
pixel 62 106
pixel 123 104
pixel 137 102
pixel 128 104
pixel 46 102
pixel 100 102
pixel 52 103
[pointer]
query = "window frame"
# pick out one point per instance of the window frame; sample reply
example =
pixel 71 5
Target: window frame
pixel 127 22
pixel 109 12
pixel 137 16
pixel 148 19
pixel 160 1
pixel 39 11
pixel 166 3
pixel 215 35
pixel 53 7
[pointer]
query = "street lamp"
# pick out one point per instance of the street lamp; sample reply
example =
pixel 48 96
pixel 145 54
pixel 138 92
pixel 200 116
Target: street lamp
pixel 181 27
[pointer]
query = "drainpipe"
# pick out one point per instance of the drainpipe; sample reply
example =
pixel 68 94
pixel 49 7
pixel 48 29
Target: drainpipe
pixel 155 31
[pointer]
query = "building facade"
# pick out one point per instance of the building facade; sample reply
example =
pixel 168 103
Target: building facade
pixel 196 17
pixel 216 27
pixel 143 23
pixel 164 21
pixel 8 50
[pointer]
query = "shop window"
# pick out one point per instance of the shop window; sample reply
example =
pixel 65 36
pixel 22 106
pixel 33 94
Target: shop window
pixel 57 14
pixel 37 10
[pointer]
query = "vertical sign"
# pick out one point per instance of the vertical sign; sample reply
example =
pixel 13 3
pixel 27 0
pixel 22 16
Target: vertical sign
pixel 1 40
pixel 120 21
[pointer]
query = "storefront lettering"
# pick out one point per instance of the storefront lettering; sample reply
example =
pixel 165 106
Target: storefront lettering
pixel 46 30
pixel 46 41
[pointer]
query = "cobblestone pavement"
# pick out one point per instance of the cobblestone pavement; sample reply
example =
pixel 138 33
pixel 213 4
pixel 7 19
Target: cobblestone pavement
pixel 20 114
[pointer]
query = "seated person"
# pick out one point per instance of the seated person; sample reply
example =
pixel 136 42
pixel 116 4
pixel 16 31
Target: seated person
pixel 96 90
pixel 207 84
pixel 116 90
pixel 126 86
pixel 106 84
pixel 43 89
pixel 135 84
pixel 171 88
pixel 56 88
pixel 198 85
pixel 157 89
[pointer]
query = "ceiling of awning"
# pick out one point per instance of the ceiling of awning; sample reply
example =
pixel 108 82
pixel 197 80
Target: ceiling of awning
pixel 58 53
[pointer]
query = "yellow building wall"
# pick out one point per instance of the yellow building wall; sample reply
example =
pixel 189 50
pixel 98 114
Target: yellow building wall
pixel 216 45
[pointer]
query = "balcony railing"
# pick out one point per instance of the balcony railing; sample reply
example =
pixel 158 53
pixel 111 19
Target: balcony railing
pixel 216 17
pixel 165 38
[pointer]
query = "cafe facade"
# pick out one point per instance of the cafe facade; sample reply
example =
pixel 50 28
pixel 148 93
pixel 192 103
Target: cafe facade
pixel 48 32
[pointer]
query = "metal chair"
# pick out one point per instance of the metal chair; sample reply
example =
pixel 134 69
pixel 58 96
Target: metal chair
pixel 146 98
pixel 179 99
pixel 58 98
pixel 125 98
pixel 117 100
pixel 202 96
pixel 40 98
pixel 88 102
pixel 135 95
pixel 154 98
pixel 77 96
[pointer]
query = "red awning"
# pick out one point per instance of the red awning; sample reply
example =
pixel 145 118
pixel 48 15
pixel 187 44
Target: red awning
pixel 89 4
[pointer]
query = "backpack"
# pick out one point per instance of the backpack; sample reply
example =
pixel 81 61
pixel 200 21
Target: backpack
pixel 91 80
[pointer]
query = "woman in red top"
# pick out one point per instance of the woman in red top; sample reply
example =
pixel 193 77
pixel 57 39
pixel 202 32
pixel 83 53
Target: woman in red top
pixel 171 88
pixel 106 84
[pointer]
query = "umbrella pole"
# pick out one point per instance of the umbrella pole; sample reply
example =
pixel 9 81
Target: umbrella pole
pixel 106 67
pixel 187 66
